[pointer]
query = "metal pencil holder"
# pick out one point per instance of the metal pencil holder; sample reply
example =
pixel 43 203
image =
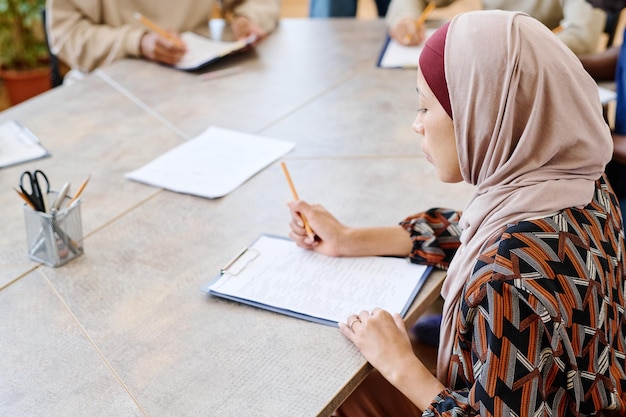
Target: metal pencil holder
pixel 54 238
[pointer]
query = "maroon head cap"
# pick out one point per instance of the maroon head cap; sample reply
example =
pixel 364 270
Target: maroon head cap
pixel 433 69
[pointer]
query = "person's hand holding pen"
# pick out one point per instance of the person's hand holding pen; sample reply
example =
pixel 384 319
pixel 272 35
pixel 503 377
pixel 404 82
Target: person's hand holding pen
pixel 157 48
pixel 333 238
pixel 314 228
pixel 410 31
pixel 330 234
pixel 159 44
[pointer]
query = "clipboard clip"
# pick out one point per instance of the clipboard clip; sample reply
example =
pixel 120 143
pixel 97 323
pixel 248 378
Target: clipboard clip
pixel 240 261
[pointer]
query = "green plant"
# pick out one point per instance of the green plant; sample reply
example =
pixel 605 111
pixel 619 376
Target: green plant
pixel 22 38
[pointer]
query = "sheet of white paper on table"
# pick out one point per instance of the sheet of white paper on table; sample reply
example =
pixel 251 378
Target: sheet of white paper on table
pixel 18 144
pixel 212 164
pixel 396 55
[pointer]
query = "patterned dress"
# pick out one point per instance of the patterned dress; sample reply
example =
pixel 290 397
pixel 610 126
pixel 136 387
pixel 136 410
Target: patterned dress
pixel 542 328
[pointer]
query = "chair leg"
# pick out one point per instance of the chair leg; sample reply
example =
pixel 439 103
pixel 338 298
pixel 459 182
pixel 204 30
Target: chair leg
pixel 55 73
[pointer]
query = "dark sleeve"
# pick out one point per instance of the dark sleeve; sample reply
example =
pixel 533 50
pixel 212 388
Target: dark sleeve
pixel 435 234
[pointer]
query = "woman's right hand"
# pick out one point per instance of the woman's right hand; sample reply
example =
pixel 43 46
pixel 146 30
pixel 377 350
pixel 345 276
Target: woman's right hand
pixel 330 234
pixel 333 238
pixel 408 32
pixel 157 48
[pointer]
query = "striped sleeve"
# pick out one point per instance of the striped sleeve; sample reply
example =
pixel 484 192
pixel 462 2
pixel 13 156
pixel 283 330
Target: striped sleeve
pixel 435 235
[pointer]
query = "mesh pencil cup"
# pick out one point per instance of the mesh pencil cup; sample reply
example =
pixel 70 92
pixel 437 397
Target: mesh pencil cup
pixel 54 238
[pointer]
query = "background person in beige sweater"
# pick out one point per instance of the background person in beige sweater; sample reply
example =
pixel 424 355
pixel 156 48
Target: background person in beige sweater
pixel 87 34
pixel 581 24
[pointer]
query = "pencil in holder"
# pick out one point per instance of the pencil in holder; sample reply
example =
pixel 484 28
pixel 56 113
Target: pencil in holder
pixel 54 238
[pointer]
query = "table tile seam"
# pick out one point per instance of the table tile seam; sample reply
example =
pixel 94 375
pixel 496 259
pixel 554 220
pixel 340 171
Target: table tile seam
pixel 13 281
pixel 145 107
pixel 94 345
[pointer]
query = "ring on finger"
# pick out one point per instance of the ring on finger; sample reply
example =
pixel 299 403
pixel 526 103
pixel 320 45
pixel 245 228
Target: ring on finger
pixel 352 323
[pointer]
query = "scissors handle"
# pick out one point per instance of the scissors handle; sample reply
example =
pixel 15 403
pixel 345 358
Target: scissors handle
pixel 36 176
pixel 43 192
pixel 35 190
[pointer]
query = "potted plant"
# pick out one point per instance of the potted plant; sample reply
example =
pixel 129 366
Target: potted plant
pixel 23 51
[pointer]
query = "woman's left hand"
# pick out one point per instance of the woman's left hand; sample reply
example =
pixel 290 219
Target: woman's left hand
pixel 242 28
pixel 382 338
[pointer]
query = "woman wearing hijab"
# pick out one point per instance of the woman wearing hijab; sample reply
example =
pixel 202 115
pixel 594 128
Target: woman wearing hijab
pixel 533 319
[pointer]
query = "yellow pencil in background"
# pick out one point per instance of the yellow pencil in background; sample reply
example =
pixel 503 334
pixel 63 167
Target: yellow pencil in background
pixel 157 29
pixel 26 200
pixel 427 11
pixel 308 229
pixel 80 190
pixel 421 19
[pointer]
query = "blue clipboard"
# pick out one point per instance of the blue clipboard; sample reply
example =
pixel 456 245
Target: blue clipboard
pixel 247 255
pixel 382 52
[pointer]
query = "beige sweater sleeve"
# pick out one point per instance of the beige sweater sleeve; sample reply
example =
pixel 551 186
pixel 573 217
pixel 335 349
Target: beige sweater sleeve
pixel 582 26
pixel 78 38
pixel 402 9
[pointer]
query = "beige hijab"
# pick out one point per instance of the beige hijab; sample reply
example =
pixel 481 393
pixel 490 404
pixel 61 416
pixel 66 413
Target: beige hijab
pixel 529 132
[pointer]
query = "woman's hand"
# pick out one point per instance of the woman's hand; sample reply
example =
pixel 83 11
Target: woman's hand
pixel 330 234
pixel 408 32
pixel 383 340
pixel 157 48
pixel 242 27
pixel 333 238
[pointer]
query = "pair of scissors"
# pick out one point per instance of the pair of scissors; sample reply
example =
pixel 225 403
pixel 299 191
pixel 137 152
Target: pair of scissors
pixel 36 187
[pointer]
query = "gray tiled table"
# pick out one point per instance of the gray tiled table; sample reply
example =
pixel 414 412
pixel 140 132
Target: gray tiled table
pixel 124 330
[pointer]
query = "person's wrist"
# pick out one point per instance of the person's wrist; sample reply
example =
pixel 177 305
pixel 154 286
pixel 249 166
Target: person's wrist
pixel 141 45
pixel 403 373
pixel 400 369
pixel 134 43
pixel 346 241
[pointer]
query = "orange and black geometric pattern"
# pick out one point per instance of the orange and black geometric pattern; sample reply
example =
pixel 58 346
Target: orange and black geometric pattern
pixel 436 236
pixel 542 325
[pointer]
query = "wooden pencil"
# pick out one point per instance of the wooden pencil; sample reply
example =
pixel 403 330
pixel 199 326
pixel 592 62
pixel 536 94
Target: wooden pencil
pixel 307 227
